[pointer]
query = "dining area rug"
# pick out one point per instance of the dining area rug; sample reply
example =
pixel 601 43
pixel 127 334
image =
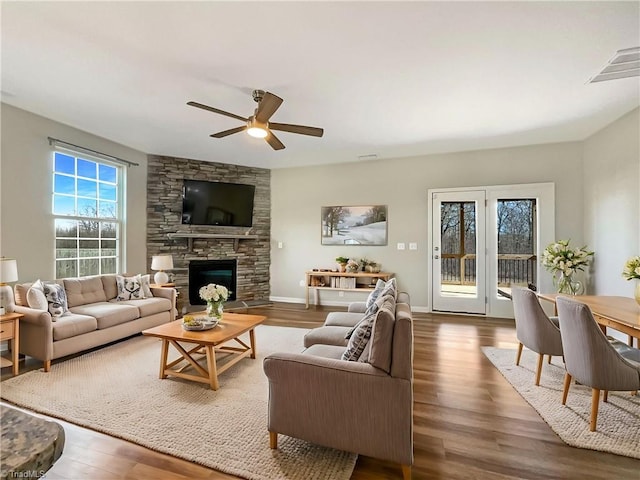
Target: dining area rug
pixel 116 390
pixel 618 427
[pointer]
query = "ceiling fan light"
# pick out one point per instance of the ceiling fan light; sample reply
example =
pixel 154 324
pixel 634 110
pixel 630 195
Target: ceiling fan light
pixel 257 132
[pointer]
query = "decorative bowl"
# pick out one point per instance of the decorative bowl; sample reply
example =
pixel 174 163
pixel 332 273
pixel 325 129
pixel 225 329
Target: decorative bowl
pixel 200 323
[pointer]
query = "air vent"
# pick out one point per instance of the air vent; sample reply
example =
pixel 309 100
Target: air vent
pixel 368 156
pixel 624 64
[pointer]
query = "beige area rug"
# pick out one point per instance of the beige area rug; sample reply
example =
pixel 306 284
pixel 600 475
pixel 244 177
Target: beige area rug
pixel 116 390
pixel 618 428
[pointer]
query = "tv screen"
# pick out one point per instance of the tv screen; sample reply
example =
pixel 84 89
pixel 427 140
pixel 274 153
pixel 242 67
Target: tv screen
pixel 217 203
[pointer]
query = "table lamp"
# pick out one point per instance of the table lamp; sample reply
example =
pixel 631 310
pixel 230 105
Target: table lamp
pixel 161 263
pixel 8 273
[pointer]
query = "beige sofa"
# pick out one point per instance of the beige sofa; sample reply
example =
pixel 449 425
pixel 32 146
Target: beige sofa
pixel 94 318
pixel 363 406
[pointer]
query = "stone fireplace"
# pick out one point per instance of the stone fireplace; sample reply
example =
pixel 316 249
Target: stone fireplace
pixel 251 254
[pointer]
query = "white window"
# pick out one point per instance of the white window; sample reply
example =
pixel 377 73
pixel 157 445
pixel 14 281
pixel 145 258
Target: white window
pixel 87 210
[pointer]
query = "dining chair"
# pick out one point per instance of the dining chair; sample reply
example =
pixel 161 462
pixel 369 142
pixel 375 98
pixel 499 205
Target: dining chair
pixel 590 359
pixel 534 329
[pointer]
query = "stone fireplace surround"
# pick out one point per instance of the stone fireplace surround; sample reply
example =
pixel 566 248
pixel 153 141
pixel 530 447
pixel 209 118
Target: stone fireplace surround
pixel 165 177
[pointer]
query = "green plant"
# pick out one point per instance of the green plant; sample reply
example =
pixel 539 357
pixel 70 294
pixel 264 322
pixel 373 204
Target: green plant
pixel 342 260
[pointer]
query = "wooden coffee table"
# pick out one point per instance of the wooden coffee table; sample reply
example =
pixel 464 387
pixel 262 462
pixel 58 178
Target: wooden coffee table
pixel 206 342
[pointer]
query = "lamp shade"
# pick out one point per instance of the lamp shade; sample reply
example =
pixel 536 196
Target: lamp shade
pixel 161 262
pixel 8 270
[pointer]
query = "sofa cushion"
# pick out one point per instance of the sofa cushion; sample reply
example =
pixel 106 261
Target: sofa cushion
pixel 108 314
pixel 71 325
pixel 20 293
pixel 381 341
pixel 343 319
pixel 84 290
pixel 326 351
pixel 36 298
pixel 327 335
pixel 147 306
pixel 109 285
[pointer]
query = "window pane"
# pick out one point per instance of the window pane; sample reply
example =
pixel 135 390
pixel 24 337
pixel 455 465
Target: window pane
pixel 109 230
pixel 87 168
pixel 107 173
pixel 63 205
pixel 108 209
pixel 66 248
pixel 87 188
pixel 64 164
pixel 66 268
pixel 66 228
pixel 64 184
pixel 108 248
pixel 89 248
pixel 88 228
pixel 89 266
pixel 108 265
pixel 87 207
pixel 107 192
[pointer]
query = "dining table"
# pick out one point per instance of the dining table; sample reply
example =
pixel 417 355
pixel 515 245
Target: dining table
pixel 620 313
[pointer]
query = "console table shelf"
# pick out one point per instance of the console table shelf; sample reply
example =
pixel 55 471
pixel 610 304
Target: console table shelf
pixel 190 236
pixel 367 287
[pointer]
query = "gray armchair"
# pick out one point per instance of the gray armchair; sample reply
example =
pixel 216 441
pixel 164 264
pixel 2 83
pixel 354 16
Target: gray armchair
pixel 534 329
pixel 590 358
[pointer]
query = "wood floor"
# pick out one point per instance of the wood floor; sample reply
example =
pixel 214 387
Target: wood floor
pixel 469 423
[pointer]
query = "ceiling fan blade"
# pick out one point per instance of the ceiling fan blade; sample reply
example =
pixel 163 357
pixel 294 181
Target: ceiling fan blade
pixel 267 107
pixel 215 110
pixel 301 129
pixel 226 133
pixel 274 142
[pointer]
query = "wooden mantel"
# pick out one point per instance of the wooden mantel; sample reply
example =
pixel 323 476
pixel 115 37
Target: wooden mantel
pixel 191 235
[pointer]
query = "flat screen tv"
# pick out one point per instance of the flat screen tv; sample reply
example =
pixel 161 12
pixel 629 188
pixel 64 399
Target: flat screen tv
pixel 217 203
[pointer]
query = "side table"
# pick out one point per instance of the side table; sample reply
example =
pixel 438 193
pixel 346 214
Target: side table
pixel 10 330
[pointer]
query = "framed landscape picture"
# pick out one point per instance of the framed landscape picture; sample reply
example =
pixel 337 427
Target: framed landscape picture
pixel 362 225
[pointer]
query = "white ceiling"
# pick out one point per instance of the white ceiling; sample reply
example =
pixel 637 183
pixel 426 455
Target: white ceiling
pixel 390 78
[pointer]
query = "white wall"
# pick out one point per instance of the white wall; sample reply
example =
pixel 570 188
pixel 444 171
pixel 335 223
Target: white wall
pixel 612 202
pixel 402 184
pixel 26 222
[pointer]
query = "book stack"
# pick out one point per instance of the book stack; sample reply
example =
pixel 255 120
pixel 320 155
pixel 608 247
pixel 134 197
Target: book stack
pixel 343 282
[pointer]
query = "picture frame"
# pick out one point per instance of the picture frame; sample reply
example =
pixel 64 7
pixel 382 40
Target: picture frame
pixel 364 225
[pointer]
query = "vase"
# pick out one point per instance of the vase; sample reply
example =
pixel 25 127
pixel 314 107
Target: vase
pixel 342 267
pixel 637 292
pixel 214 310
pixel 567 285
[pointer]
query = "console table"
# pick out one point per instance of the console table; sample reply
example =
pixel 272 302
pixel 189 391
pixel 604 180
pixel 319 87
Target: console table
pixel 332 282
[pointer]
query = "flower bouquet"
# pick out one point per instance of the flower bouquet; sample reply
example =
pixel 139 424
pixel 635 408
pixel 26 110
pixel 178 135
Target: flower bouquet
pixel 215 296
pixel 632 272
pixel 564 261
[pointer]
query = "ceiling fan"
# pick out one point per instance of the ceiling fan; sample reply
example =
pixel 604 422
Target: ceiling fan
pixel 258 125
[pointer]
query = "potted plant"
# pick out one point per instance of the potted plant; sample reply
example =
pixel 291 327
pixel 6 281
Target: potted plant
pixel 342 263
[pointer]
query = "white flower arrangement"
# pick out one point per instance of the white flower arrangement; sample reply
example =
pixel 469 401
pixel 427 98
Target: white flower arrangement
pixel 559 257
pixel 214 293
pixel 353 265
pixel 632 268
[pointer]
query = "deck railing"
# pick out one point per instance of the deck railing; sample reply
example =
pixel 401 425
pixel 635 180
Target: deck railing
pixel 512 269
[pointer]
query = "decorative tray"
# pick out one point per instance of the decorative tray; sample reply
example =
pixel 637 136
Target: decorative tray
pixel 200 323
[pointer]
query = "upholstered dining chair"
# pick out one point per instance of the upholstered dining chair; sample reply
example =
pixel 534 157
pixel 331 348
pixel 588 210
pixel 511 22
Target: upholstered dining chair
pixel 534 329
pixel 590 359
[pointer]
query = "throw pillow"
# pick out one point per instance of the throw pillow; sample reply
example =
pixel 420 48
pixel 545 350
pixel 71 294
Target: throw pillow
pixel 36 298
pixel 390 288
pixel 373 309
pixel 56 299
pixel 375 293
pixel 129 288
pixel 146 286
pixel 359 338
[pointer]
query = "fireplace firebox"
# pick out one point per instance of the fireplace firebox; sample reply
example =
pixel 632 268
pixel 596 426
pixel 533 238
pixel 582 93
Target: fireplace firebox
pixel 204 272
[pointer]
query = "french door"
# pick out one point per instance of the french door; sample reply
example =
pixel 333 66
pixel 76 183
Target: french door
pixel 486 240
pixel 458 252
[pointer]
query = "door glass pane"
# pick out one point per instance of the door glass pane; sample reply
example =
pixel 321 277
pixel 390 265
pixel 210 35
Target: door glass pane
pixel 516 244
pixel 458 244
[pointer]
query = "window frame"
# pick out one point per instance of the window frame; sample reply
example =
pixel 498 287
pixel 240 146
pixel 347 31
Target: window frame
pixel 118 220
